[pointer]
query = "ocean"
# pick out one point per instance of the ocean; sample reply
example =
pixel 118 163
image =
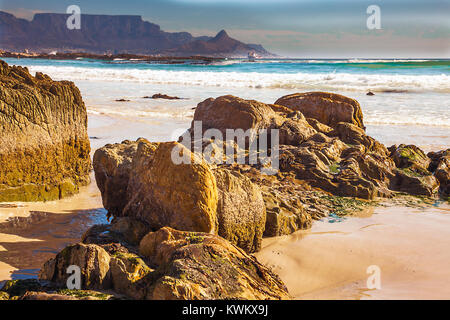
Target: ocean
pixel 411 102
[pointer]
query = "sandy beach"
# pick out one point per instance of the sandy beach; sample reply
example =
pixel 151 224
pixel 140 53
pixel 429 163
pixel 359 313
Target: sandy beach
pixel 330 261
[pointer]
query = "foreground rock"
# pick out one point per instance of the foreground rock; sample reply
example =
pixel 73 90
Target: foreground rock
pixel 44 146
pixel 170 264
pixel 190 196
pixel 412 171
pixel 322 157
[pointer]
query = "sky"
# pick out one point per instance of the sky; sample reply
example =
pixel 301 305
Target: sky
pixel 290 28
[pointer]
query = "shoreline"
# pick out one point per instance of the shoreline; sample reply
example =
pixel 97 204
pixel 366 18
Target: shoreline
pixel 330 260
pixel 112 57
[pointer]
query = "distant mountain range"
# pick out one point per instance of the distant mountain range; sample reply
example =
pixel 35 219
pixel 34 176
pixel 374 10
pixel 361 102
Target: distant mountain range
pixel 103 34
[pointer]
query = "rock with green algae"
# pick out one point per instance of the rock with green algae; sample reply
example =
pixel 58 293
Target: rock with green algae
pixel 241 211
pixel 194 265
pixel 44 146
pixel 19 287
pixel 412 174
pixel 129 274
pixel 170 264
pixel 93 261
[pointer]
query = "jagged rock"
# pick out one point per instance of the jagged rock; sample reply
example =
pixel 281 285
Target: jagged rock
pixel 100 234
pixel 204 266
pixel 412 175
pixel 44 146
pixel 329 164
pixel 241 212
pixel 92 260
pixel 127 272
pixel 112 166
pixel 320 127
pixel 285 215
pixel 132 230
pixel 410 157
pixel 171 265
pixel 295 131
pixel 416 182
pixel 327 108
pixel 354 135
pixel 440 166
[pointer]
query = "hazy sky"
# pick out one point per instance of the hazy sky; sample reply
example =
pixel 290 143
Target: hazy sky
pixel 297 28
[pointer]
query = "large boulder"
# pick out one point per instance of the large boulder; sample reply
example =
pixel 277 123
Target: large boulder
pixel 44 146
pixel 189 196
pixel 112 166
pixel 164 193
pixel 241 212
pixel 327 108
pixel 198 266
pixel 230 112
pixel 295 130
pixel 92 260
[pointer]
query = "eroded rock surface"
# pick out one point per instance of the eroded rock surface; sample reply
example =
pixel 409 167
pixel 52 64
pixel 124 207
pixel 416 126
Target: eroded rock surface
pixel 170 264
pixel 44 146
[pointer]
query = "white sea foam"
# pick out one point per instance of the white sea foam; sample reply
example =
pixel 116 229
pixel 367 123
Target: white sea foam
pixel 416 99
pixel 298 81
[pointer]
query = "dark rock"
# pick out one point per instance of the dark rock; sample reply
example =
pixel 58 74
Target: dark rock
pixel 162 96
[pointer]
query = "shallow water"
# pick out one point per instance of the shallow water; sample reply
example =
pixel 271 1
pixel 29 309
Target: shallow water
pixel 331 260
pixel 411 101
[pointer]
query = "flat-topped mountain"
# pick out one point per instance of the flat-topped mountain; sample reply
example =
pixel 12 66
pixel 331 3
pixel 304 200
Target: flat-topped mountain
pixel 112 34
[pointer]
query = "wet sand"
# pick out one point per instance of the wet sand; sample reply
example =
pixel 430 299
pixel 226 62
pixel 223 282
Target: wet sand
pixel 31 233
pixel 330 261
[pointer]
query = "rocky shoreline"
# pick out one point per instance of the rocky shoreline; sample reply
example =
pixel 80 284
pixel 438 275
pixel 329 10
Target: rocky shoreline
pixel 189 231
pixel 160 59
